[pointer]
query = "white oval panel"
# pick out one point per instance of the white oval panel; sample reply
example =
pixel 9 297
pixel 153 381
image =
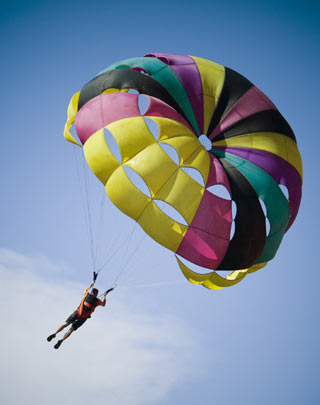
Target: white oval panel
pixel 170 211
pixel 171 152
pixel 194 174
pixel 153 127
pixel 143 103
pixel 137 180
pixel 220 191
pixel 112 144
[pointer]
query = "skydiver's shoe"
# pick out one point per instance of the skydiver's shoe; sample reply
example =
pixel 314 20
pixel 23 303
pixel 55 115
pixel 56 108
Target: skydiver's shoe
pixel 57 345
pixel 49 338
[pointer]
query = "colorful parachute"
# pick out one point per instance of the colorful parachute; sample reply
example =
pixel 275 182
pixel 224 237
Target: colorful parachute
pixel 252 150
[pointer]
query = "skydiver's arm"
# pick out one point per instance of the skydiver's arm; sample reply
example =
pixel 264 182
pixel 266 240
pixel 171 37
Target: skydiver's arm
pixel 103 302
pixel 87 290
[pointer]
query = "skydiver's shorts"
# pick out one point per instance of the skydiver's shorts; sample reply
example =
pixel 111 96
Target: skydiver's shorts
pixel 73 319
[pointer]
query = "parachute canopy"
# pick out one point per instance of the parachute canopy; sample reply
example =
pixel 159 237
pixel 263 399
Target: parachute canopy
pixel 222 127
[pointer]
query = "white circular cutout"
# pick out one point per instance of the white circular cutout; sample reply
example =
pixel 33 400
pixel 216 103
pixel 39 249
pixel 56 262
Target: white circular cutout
pixel 205 141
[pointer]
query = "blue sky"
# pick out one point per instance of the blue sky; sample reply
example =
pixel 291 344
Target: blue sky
pixel 255 343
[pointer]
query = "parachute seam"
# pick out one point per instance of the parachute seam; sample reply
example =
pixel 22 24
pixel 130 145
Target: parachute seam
pixel 208 233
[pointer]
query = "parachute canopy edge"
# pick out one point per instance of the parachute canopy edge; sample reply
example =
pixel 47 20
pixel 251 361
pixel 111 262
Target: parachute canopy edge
pixel 214 281
pixel 72 111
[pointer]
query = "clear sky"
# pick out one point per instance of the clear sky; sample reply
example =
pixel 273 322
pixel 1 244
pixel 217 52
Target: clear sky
pixel 253 344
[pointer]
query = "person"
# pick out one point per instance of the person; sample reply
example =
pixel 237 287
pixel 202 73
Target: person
pixel 87 306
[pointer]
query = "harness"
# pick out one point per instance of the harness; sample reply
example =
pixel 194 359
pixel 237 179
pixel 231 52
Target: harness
pixel 87 306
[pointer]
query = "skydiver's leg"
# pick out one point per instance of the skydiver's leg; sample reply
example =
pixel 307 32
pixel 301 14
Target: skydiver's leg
pixel 71 319
pixel 58 344
pixel 62 327
pixel 75 325
pixel 49 338
pixel 68 333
